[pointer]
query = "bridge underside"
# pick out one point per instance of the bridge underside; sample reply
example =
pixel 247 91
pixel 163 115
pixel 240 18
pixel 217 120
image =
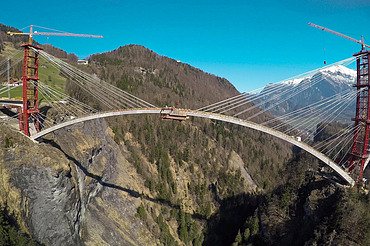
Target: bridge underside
pixel 199 114
pixel 11 103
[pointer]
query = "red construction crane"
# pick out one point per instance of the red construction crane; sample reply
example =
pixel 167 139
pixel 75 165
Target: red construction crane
pixel 361 137
pixel 30 76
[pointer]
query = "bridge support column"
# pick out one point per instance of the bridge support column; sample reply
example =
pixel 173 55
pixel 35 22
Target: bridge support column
pixel 360 144
pixel 30 77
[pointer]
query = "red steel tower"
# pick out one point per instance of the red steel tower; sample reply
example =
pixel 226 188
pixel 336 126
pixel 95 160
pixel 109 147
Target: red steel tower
pixel 360 144
pixel 30 95
pixel 29 112
pixel 30 78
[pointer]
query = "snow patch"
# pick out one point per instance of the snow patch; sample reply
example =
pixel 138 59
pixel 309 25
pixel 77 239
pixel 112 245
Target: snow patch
pixel 339 69
pixel 338 73
pixel 294 82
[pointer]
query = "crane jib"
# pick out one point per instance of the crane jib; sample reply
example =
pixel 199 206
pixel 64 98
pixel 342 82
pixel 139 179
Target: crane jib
pixel 61 33
pixel 361 41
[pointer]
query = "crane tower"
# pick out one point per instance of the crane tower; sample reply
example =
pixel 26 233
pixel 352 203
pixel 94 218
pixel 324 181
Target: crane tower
pixel 361 137
pixel 29 112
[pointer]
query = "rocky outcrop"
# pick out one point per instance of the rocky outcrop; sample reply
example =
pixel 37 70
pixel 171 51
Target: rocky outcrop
pixel 236 163
pixel 78 189
pixel 108 185
pixel 52 205
pixel 37 188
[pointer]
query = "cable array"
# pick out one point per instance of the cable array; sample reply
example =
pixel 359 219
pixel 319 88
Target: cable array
pixel 107 94
pixel 62 102
pixel 305 120
pixel 7 89
pixel 15 59
pixel 308 117
pixel 268 94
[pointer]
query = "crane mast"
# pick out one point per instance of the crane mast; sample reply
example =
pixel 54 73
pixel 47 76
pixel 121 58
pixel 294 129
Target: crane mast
pixel 30 77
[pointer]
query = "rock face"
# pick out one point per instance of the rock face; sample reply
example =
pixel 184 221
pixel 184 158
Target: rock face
pixel 236 163
pixel 52 203
pixel 38 189
pixel 69 192
pixel 108 185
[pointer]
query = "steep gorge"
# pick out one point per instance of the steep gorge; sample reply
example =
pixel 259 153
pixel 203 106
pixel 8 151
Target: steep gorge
pixel 143 181
pixel 168 178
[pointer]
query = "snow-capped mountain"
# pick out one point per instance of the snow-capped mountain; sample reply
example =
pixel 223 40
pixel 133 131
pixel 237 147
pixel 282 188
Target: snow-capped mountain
pixel 300 92
pixel 337 73
pixel 340 74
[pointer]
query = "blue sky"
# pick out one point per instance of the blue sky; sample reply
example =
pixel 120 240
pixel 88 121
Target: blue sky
pixel 251 43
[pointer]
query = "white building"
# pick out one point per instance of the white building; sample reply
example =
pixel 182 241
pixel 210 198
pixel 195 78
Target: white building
pixel 82 62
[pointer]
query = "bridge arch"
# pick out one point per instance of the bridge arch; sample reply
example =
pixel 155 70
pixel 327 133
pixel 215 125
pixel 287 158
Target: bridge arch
pixel 199 114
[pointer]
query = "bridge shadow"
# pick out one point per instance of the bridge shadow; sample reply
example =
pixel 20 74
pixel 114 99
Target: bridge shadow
pixel 130 192
pixel 43 110
pixel 9 112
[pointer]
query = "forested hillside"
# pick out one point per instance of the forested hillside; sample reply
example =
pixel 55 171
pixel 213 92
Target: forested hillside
pixel 158 79
pixel 197 165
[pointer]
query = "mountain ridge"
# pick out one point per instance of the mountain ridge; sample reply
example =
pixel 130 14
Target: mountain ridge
pixel 301 92
pixel 169 79
pixel 345 75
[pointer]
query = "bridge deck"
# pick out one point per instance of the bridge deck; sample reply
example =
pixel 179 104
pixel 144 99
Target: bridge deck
pixel 194 113
pixel 4 102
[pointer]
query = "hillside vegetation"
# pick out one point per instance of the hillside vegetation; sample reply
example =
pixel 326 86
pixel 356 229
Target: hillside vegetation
pixel 195 165
pixel 158 79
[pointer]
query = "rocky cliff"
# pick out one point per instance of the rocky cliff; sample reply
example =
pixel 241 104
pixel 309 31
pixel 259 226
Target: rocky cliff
pixel 37 187
pixel 84 185
pixel 74 188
